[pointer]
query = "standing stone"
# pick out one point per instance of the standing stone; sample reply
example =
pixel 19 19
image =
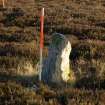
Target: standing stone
pixel 56 67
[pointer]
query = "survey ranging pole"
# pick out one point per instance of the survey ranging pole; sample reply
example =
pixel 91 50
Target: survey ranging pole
pixel 41 42
pixel 3 3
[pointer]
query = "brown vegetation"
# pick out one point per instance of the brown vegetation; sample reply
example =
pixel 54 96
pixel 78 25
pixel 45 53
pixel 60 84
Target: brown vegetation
pixel 13 94
pixel 83 22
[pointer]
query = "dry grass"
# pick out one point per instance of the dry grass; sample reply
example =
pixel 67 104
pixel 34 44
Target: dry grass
pixel 15 94
pixel 83 22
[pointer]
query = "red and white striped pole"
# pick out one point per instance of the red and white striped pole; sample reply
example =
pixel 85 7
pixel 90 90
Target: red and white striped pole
pixel 41 42
pixel 3 2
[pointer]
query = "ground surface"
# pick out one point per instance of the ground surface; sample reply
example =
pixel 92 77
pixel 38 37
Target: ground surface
pixel 82 21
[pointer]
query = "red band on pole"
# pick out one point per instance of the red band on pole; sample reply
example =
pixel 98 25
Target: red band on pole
pixel 42 29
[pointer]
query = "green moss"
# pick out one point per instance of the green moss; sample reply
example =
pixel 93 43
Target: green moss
pixel 57 40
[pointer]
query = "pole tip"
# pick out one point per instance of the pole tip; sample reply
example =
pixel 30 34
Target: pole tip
pixel 42 11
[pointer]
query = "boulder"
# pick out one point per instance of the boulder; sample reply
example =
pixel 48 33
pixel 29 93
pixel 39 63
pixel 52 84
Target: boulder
pixel 56 67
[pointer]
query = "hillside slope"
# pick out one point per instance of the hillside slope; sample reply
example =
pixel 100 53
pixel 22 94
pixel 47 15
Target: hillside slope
pixel 81 21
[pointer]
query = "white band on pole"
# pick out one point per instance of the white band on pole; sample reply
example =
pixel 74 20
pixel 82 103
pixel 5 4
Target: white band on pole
pixel 42 11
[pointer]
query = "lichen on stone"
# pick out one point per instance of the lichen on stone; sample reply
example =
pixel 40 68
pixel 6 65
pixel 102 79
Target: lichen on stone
pixel 57 40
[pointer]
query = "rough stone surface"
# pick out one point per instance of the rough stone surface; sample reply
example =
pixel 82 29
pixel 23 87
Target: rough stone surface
pixel 56 67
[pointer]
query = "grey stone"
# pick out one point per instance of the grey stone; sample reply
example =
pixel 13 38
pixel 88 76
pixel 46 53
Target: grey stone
pixel 56 67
